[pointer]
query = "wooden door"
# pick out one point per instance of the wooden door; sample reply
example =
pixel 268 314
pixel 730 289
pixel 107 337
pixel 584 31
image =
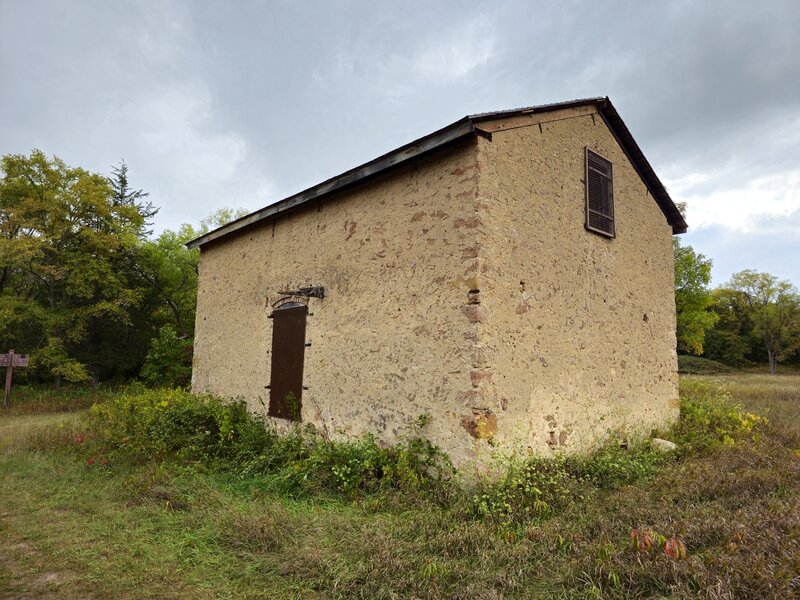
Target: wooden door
pixel 288 353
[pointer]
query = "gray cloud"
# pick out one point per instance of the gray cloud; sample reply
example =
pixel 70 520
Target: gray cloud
pixel 242 103
pixel 765 247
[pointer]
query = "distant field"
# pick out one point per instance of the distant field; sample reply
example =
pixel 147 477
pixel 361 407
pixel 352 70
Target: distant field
pixel 171 530
pixel 776 396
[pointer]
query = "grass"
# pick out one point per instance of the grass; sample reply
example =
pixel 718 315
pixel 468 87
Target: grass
pixel 775 396
pixel 37 399
pixel 170 530
pixel 697 365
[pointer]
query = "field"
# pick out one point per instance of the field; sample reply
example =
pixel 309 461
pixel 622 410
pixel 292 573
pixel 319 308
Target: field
pixel 71 527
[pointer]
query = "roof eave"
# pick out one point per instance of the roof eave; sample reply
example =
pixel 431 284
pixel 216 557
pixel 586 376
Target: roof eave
pixel 642 166
pixel 460 129
pixel 455 131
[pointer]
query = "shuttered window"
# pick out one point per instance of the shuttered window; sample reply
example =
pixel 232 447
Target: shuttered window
pixel 599 195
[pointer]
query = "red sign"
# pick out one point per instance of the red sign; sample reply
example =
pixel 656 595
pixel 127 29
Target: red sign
pixel 13 360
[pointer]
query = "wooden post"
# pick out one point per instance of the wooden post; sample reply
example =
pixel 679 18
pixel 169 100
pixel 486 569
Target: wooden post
pixel 9 372
pixel 10 361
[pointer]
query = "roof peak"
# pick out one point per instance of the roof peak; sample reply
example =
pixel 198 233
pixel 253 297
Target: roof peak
pixel 462 128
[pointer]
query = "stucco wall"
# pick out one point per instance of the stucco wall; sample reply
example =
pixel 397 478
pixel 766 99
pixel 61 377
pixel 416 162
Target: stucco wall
pixel 463 286
pixel 392 339
pixel 579 337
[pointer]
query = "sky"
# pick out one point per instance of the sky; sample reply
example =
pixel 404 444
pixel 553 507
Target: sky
pixel 240 103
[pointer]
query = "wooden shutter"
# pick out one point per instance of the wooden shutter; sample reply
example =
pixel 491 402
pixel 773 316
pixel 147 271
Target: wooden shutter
pixel 288 353
pixel 599 195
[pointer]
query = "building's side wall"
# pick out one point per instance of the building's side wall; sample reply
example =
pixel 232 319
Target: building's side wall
pixel 392 339
pixel 580 329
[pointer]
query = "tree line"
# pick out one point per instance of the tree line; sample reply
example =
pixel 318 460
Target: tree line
pixel 752 319
pixel 92 295
pixel 85 287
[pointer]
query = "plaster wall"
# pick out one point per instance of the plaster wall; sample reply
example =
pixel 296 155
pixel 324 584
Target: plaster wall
pixel 579 338
pixel 394 336
pixel 463 286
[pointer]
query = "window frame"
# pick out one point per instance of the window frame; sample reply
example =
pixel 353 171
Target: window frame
pixel 610 178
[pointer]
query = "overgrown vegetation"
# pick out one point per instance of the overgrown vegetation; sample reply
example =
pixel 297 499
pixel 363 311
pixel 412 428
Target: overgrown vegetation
pixel 172 423
pixel 140 500
pixel 204 429
pixel 199 518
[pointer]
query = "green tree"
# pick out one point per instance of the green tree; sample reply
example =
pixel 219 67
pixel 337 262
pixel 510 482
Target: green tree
pixel 171 271
pixel 61 239
pixel 170 268
pixel 169 360
pixel 774 307
pixel 731 340
pixel 123 195
pixel 692 298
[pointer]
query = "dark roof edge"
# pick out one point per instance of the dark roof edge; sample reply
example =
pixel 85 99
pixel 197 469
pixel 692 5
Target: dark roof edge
pixel 642 166
pixel 452 132
pixel 626 142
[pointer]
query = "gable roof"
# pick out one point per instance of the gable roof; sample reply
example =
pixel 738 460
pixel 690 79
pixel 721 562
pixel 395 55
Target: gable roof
pixel 463 128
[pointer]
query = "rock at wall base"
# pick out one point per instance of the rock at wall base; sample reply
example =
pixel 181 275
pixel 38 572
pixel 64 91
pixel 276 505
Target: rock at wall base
pixel 663 445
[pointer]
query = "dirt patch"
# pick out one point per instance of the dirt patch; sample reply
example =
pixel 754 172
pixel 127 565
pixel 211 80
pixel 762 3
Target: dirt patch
pixel 22 577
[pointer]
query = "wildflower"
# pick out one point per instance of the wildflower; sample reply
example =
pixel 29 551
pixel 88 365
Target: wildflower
pixel 90 461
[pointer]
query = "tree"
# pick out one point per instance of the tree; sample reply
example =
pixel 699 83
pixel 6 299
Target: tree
pixel 62 239
pixel 169 360
pixel 170 268
pixel 692 298
pixel 124 196
pixel 774 307
pixel 731 340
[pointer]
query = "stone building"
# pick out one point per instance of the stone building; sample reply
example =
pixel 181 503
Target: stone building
pixel 509 275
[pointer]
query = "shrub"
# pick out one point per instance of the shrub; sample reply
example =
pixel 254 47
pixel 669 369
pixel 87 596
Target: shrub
pixel 160 423
pixel 536 488
pixel 156 423
pixel 696 365
pixel 709 417
pixel 530 489
pixel 169 360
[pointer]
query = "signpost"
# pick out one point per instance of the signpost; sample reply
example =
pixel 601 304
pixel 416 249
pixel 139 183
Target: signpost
pixel 9 361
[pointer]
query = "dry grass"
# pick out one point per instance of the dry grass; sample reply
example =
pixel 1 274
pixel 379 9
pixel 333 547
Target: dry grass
pixel 169 531
pixel 21 431
pixel 775 396
pixel 42 400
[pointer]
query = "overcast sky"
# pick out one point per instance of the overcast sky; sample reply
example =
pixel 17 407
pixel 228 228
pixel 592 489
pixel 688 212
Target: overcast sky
pixel 241 103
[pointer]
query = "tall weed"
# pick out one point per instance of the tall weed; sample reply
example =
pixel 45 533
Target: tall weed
pixel 206 429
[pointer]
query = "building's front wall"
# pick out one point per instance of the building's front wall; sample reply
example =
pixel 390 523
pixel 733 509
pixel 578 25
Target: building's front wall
pixel 579 334
pixel 393 337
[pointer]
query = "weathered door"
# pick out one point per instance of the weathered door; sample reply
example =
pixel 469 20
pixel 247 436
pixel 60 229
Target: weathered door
pixel 288 351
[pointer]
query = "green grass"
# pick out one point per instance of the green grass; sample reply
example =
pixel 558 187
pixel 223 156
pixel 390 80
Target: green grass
pixel 169 530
